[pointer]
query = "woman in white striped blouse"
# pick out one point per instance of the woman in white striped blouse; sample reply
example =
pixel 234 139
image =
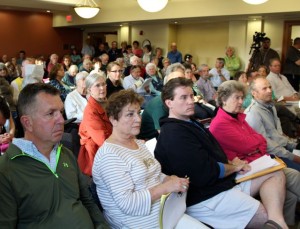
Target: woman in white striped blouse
pixel 128 178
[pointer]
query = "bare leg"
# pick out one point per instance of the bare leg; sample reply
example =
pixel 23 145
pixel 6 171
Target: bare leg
pixel 259 218
pixel 271 188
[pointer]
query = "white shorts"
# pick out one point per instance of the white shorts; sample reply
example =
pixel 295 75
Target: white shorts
pixel 231 209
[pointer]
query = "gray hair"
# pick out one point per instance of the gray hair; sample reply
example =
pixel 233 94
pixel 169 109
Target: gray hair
pixel 92 78
pixel 174 67
pixel 200 68
pixel 149 66
pixel 81 75
pixel 133 58
pixel 73 67
pixel 227 88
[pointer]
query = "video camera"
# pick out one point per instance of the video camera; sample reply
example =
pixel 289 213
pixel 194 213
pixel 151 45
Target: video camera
pixel 257 39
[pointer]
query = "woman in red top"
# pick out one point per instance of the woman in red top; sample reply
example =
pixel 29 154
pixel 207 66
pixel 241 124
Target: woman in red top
pixel 95 126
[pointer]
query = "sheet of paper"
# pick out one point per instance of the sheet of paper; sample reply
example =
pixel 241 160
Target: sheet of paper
pixel 258 165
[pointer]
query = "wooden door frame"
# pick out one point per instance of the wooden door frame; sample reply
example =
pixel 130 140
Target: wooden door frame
pixel 286 41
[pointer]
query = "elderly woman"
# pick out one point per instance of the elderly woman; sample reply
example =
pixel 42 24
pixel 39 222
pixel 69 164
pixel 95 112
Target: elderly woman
pixel 232 62
pixel 56 75
pixel 70 75
pixel 114 81
pixel 128 178
pixel 95 126
pixel 240 142
pixel 76 101
pixel 156 84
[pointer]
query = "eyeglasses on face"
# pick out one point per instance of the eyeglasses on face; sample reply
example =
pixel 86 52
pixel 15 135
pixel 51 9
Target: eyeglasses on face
pixel 119 71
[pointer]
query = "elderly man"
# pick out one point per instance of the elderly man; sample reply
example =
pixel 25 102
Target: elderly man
pixel 70 76
pixel 174 55
pixel 205 85
pixel 292 64
pixel 280 84
pixel 186 148
pixel 219 74
pixel 262 116
pixel 41 183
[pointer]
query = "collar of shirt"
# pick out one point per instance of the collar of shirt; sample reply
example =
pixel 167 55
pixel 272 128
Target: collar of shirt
pixel 30 149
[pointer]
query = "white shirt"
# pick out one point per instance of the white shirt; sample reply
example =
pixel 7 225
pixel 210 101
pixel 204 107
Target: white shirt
pixel 74 106
pixel 129 82
pixel 216 79
pixel 280 85
pixel 123 178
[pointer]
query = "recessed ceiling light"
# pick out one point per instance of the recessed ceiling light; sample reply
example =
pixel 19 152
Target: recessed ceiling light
pixel 48 11
pixel 121 25
pixel 175 22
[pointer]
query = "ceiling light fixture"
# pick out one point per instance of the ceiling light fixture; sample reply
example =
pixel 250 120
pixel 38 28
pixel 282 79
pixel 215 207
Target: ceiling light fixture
pixel 152 5
pixel 87 9
pixel 255 2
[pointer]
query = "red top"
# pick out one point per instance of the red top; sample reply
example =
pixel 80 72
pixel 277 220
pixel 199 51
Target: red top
pixel 236 137
pixel 94 129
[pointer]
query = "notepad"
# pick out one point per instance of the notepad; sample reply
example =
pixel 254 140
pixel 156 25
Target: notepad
pixel 261 166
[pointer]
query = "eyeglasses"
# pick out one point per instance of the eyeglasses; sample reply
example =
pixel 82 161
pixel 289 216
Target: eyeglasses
pixel 119 71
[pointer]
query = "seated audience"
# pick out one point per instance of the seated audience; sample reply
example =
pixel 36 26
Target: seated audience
pixel 4 73
pixel 280 84
pixel 147 54
pixel 156 84
pixel 186 148
pixel 262 117
pixel 153 112
pixel 41 184
pixel 75 57
pixel 136 50
pixel 159 56
pixel 219 74
pixel 66 62
pixel 127 55
pixel 135 82
pixel 173 68
pixel 76 101
pixel 166 63
pixel 56 74
pixel 70 76
pixel 128 178
pixel 95 126
pixel 104 62
pixel 53 61
pixel 114 81
pixel 86 65
pixel 229 128
pixel 205 85
pixel 241 77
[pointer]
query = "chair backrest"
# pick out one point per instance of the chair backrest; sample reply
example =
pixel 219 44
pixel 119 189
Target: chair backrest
pixel 172 208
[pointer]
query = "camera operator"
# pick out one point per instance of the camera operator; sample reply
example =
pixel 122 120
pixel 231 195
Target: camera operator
pixel 267 53
pixel 262 53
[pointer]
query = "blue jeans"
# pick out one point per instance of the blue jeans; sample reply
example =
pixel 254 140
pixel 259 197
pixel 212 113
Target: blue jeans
pixel 291 164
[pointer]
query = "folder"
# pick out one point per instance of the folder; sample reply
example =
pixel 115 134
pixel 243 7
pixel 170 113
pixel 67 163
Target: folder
pixel 261 166
pixel 172 208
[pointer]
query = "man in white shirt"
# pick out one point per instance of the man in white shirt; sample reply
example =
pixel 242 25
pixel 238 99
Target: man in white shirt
pixel 219 73
pixel 280 84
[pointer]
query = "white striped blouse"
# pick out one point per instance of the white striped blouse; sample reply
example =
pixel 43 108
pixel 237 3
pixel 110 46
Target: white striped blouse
pixel 123 178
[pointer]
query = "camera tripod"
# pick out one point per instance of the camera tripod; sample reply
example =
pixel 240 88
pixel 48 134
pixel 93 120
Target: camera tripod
pixel 255 60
